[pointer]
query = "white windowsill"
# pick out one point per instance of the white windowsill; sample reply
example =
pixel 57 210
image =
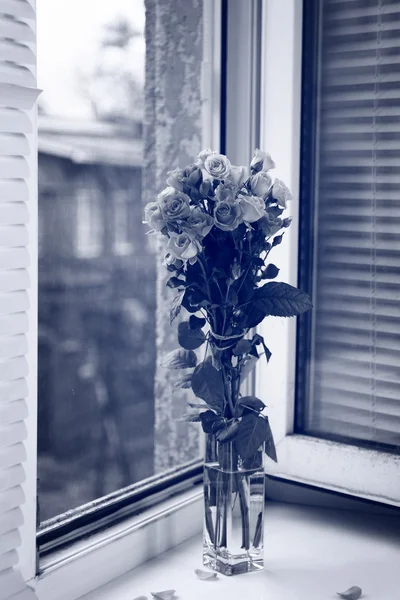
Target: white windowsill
pixel 88 564
pixel 309 553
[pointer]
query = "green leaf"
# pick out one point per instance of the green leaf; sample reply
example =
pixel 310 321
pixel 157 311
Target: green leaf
pixel 252 433
pixel 179 359
pixel 207 384
pixel 192 299
pixel 254 316
pixel 352 593
pixel 188 338
pixel 242 347
pixel 210 421
pixel 275 211
pixel 196 322
pixel 174 282
pixel 269 446
pixel 281 300
pixel 232 297
pixel 252 403
pixel 258 339
pixel 176 306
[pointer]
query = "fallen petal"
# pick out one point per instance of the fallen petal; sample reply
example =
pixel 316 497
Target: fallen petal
pixel 165 595
pixel 141 598
pixel 205 575
pixel 352 593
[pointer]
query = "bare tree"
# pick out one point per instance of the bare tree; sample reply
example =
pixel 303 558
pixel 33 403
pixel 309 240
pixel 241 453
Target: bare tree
pixel 111 87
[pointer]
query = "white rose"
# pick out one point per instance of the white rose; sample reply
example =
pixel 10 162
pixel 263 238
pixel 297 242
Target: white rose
pixel 253 208
pixel 281 193
pixel 153 216
pixel 183 246
pixel 238 175
pixel 218 166
pixel 201 157
pixel 175 179
pixel 261 161
pixel 260 183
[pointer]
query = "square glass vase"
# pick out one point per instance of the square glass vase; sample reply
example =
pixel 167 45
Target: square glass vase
pixel 234 493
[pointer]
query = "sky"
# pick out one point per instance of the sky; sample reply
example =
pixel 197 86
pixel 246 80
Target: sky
pixel 69 34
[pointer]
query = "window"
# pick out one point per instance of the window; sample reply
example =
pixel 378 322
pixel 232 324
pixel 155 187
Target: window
pixel 102 431
pixel 333 398
pixel 97 316
pixel 353 391
pixel 123 244
pixel 89 229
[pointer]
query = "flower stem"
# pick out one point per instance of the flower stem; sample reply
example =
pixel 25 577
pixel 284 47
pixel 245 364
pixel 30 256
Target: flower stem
pixel 244 509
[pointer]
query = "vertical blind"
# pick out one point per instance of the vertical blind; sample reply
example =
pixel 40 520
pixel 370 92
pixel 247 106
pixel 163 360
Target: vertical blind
pixel 355 387
pixel 17 97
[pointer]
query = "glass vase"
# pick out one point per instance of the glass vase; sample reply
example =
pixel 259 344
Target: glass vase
pixel 234 492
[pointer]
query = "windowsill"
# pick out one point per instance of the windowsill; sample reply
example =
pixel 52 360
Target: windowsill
pixel 309 553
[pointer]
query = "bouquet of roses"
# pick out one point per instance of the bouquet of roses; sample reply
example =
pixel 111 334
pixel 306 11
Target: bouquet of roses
pixel 221 222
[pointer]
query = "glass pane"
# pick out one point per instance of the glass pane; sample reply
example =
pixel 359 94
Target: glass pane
pixel 97 271
pixel 355 385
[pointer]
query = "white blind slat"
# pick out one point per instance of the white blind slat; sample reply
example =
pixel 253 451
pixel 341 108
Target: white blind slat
pixel 13 433
pixel 8 560
pixel 15 235
pixel 12 144
pixel 21 9
pixel 10 456
pixel 13 345
pixel 15 52
pixel 9 541
pixel 13 190
pixel 11 28
pixel 13 368
pixel 13 324
pixel 14 121
pixel 17 279
pixel 12 412
pixel 11 302
pixel 12 213
pixel 11 519
pixel 13 73
pixel 10 583
pixel 13 167
pixel 12 390
pixel 13 258
pixel 11 479
pixel 11 498
pixel 18 96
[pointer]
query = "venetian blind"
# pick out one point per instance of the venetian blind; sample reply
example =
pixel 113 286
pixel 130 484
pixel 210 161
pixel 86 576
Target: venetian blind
pixel 17 97
pixel 356 385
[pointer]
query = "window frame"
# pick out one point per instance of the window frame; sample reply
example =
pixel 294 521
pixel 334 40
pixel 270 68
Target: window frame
pixel 352 470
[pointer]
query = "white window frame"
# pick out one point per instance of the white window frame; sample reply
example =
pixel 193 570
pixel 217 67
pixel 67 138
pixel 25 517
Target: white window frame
pixel 336 466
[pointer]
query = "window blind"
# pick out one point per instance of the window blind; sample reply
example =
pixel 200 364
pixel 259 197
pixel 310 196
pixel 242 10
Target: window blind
pixel 17 149
pixel 355 391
